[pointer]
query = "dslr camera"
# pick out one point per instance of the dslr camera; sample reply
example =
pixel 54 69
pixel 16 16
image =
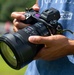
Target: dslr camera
pixel 15 48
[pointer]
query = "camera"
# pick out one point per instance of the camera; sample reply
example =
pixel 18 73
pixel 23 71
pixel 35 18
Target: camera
pixel 15 48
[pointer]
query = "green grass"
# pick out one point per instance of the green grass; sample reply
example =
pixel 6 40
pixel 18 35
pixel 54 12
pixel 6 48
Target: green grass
pixel 6 70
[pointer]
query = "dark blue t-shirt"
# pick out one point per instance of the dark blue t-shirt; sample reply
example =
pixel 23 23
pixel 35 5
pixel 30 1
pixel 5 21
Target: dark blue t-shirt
pixel 65 65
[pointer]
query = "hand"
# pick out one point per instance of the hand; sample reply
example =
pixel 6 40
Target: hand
pixel 56 46
pixel 19 16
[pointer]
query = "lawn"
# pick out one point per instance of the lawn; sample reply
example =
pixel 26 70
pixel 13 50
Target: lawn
pixel 6 70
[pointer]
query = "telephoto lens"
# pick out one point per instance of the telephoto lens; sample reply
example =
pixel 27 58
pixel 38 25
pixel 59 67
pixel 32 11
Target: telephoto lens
pixel 15 48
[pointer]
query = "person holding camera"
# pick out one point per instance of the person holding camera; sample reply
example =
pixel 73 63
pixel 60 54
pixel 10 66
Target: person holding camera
pixel 56 57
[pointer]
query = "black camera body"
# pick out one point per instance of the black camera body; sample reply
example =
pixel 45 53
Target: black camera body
pixel 15 48
pixel 48 17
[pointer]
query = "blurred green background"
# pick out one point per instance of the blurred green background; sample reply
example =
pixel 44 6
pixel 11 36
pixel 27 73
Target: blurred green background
pixel 6 8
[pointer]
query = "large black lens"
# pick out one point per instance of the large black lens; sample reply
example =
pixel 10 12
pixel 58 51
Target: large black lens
pixel 15 48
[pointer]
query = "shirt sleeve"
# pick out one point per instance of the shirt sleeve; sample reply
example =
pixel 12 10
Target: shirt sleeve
pixel 71 58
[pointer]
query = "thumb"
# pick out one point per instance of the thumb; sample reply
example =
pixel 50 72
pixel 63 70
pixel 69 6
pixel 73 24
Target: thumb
pixel 38 39
pixel 35 7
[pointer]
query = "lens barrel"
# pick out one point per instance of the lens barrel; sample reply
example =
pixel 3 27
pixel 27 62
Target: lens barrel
pixel 23 51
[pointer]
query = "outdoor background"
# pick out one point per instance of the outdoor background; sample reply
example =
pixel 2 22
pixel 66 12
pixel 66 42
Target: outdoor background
pixel 6 8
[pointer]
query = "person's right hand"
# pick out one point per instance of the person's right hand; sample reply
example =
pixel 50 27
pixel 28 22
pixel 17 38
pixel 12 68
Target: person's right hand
pixel 19 16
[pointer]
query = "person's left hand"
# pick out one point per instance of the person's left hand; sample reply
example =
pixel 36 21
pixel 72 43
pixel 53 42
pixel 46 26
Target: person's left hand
pixel 56 46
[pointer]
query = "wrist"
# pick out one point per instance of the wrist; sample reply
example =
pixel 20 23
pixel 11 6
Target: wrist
pixel 71 46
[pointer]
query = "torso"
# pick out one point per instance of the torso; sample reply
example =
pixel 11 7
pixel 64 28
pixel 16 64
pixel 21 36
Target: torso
pixel 66 9
pixel 62 66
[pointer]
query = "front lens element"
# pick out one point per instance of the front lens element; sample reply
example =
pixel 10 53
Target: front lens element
pixel 8 54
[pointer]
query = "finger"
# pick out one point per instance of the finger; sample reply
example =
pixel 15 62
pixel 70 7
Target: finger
pixel 36 7
pixel 14 21
pixel 48 40
pixel 15 29
pixel 19 24
pixel 40 39
pixel 18 15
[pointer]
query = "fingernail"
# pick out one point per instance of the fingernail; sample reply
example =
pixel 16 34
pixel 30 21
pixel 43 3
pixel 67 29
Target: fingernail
pixel 31 38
